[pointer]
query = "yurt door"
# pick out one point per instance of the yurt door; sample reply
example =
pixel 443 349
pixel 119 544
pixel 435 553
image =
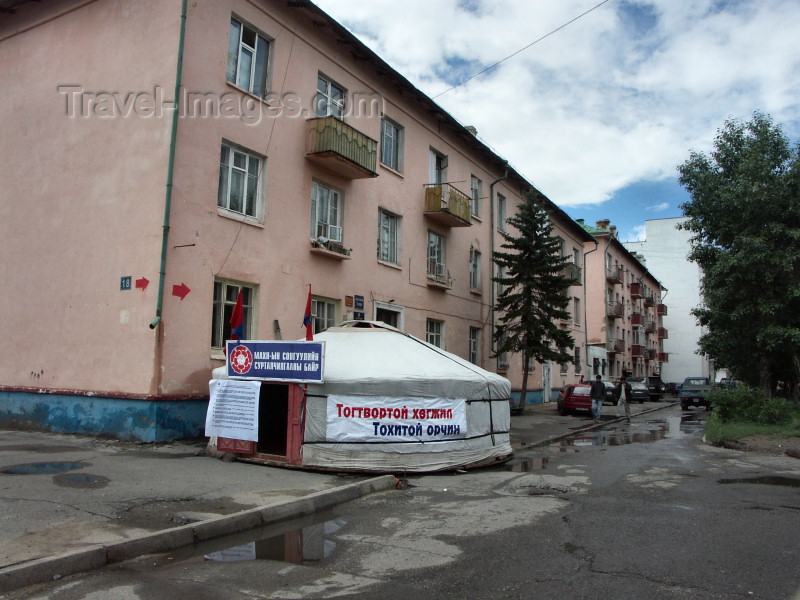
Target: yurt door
pixel 279 409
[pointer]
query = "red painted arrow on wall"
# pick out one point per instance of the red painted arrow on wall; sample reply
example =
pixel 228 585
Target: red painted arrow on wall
pixel 141 284
pixel 181 291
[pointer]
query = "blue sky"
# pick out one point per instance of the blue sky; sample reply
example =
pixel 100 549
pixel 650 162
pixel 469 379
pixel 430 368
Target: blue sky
pixel 596 102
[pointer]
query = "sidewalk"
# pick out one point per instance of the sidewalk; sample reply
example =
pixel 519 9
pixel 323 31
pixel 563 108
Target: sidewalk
pixel 72 503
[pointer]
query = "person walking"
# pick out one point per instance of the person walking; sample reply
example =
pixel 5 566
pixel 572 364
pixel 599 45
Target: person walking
pixel 597 394
pixel 623 397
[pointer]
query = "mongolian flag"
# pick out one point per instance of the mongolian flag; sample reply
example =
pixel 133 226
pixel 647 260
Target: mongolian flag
pixel 237 322
pixel 307 318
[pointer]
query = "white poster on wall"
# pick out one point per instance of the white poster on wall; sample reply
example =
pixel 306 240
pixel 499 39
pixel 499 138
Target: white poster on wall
pixel 389 419
pixel 233 409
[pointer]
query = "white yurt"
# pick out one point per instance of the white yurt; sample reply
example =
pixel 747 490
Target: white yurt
pixel 388 402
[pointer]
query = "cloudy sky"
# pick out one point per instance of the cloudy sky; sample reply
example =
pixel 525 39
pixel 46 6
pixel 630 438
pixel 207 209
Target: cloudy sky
pixel 603 99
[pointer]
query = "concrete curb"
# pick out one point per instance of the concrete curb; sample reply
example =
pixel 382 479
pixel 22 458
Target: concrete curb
pixel 563 436
pixel 54 567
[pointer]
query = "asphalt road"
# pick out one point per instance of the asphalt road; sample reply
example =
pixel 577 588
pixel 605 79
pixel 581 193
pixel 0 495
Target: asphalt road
pixel 644 510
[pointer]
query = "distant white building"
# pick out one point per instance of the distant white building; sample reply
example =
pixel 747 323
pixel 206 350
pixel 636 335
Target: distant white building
pixel 665 253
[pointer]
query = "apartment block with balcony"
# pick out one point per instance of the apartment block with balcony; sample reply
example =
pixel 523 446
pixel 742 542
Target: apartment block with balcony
pixel 297 159
pixel 625 332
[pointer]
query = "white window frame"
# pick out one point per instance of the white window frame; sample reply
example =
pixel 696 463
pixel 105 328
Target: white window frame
pixel 391 307
pixel 576 303
pixel 327 205
pixel 437 172
pixel 437 266
pixel 501 212
pixel 475 345
pixel 476 189
pixel 434 333
pixel 253 77
pixel 250 169
pixel 392 137
pixel 324 313
pixel 389 237
pixel 474 269
pixel 330 99
pixel 225 294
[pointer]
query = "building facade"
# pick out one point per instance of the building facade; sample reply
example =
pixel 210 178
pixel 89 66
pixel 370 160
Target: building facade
pixel 626 310
pixel 665 251
pixel 179 154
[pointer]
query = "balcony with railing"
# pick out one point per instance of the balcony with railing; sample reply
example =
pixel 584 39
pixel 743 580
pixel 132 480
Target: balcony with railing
pixel 615 346
pixel 615 310
pixel 341 148
pixel 636 291
pixel 663 357
pixel 572 272
pixel 447 205
pixel 614 274
pixel 650 300
pixel 663 334
pixel 661 309
pixel 438 276
pixel 637 351
pixel 649 325
pixel 649 354
pixel 637 318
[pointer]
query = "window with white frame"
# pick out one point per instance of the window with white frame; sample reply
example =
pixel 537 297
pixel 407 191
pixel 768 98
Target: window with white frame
pixel 389 313
pixel 391 144
pixel 577 359
pixel 475 345
pixel 576 310
pixel 388 237
pixel 502 357
pixel 330 98
pixel 576 256
pixel 225 296
pixel 476 189
pixel 501 212
pixel 564 366
pixel 436 265
pixel 326 212
pixel 434 333
pixel 437 167
pixel 323 314
pixel 248 58
pixel 240 174
pixel 501 274
pixel 474 269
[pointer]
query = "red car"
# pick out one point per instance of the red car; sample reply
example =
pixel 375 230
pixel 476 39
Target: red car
pixel 574 396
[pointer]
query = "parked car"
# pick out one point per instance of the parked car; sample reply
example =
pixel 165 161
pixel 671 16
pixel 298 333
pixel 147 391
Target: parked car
pixel 672 388
pixel 639 392
pixel 694 390
pixel 574 396
pixel 654 384
pixel 611 393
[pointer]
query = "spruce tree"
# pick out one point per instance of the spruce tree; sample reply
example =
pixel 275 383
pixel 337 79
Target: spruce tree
pixel 533 294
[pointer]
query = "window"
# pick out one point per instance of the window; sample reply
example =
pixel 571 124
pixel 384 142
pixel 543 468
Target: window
pixel 577 359
pixel 474 269
pixel 564 366
pixel 323 314
pixel 501 212
pixel 501 274
pixel 239 175
pixel 438 167
pixel 225 295
pixel 391 314
pixel 433 332
pixel 436 264
pixel 560 244
pixel 475 192
pixel 248 57
pixel 475 345
pixel 326 212
pixel 330 98
pixel 576 311
pixel 502 357
pixel 391 144
pixel 576 256
pixel 388 237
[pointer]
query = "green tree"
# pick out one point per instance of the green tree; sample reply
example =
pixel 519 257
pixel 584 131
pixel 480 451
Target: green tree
pixel 533 297
pixel 744 215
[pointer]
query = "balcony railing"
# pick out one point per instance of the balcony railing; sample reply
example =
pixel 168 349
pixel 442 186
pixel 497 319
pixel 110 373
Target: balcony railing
pixel 649 354
pixel 637 318
pixel 447 205
pixel 438 275
pixel 661 309
pixel 614 274
pixel 614 346
pixel 650 325
pixel 663 357
pixel 615 310
pixel 663 334
pixel 649 300
pixel 341 148
pixel 636 291
pixel 637 351
pixel 572 272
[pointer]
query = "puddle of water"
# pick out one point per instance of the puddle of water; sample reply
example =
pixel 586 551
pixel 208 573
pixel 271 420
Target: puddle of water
pixel 766 480
pixel 619 437
pixel 526 464
pixel 42 468
pixel 80 480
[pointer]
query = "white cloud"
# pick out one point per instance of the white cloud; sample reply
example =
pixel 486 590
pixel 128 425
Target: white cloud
pixel 659 207
pixel 619 96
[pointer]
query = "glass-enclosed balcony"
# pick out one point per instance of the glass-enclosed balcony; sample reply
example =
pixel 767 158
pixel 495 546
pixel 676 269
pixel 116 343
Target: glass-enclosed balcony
pixel 341 148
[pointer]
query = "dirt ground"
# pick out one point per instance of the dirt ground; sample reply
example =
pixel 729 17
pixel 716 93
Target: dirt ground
pixel 764 444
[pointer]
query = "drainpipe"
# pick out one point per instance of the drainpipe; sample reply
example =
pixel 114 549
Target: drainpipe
pixel 585 322
pixel 170 167
pixel 491 238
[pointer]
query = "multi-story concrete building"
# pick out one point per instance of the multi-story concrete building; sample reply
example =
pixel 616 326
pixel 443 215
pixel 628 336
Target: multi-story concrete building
pixel 625 309
pixel 665 251
pixel 168 155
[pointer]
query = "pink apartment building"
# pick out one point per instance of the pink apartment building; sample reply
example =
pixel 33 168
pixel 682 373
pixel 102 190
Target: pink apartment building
pixel 624 317
pixel 161 156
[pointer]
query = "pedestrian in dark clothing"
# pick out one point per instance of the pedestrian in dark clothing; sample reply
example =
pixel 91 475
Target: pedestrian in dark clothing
pixel 623 397
pixel 597 393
